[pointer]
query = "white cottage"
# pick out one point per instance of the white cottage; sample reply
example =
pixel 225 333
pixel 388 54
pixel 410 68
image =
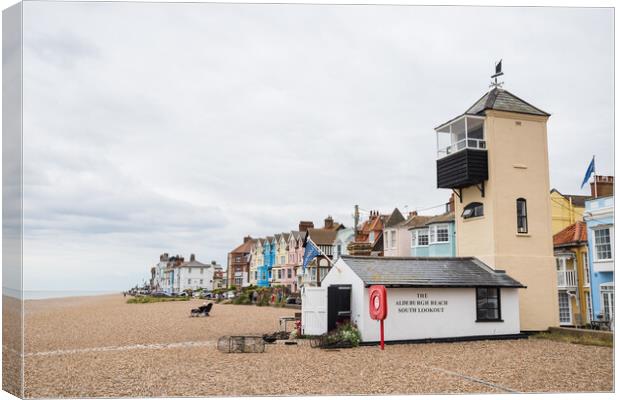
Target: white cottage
pixel 428 298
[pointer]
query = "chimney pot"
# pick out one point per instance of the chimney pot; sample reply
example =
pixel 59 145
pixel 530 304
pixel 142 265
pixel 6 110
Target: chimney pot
pixel 192 257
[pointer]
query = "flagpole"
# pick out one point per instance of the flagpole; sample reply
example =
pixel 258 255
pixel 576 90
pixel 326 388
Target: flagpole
pixel 594 173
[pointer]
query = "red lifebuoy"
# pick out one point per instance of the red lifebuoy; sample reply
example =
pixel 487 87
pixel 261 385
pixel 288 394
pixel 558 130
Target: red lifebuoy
pixel 378 302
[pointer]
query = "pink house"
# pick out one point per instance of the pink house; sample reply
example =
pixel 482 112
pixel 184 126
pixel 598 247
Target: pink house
pixel 294 260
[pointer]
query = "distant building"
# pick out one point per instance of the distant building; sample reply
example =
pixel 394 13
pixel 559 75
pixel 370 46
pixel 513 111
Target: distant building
pixel 238 269
pixel 395 238
pixel 599 218
pixel 193 275
pixel 433 236
pixel 566 209
pixel 570 247
pixel 324 238
pixel 256 261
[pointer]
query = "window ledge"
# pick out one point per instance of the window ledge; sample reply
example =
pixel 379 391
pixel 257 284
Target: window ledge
pixel 489 320
pixel 523 235
pixel 473 218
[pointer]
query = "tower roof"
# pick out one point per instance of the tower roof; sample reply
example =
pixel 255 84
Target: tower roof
pixel 502 100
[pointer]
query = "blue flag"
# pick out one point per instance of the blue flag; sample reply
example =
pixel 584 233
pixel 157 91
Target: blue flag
pixel 589 173
pixel 310 252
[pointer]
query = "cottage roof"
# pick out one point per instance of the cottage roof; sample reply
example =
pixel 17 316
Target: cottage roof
pixel 194 264
pixel 321 236
pixel 573 235
pixel 428 272
pixel 447 217
pixel 394 219
pixel 417 221
pixel 285 236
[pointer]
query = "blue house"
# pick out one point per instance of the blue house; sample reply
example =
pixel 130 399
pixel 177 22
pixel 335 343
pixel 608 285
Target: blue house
pixel 434 236
pixel 599 218
pixel 264 271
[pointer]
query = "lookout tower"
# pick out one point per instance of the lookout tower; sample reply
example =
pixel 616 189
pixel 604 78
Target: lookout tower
pixel 494 157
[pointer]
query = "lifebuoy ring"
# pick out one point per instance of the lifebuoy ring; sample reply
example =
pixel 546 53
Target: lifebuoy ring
pixel 378 302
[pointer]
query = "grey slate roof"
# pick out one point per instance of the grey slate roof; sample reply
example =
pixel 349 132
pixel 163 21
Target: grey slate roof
pixel 447 217
pixel 428 272
pixel 395 218
pixel 503 100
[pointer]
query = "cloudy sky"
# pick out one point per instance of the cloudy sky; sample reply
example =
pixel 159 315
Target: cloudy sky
pixel 180 128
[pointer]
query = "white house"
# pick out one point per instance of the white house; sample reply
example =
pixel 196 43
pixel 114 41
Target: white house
pixel 189 275
pixel 428 298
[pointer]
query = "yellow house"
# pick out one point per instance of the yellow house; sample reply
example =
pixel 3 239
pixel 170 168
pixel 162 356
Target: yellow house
pixel 571 256
pixel 494 157
pixel 566 209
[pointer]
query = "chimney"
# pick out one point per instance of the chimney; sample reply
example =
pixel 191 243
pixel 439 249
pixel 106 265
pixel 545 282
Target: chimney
pixel 413 214
pixel 192 257
pixel 247 239
pixel 604 186
pixel 329 222
pixel 305 225
pixel 213 263
pixel 450 204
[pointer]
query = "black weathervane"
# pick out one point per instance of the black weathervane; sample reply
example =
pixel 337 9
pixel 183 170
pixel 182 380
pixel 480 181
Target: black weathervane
pixel 498 73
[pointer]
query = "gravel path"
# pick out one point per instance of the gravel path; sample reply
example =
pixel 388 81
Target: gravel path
pixel 95 347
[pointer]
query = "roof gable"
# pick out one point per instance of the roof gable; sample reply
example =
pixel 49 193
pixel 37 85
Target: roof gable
pixel 394 219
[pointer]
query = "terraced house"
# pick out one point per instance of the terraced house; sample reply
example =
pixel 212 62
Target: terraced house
pixel 599 218
pixel 238 270
pixel 432 236
pixel 570 247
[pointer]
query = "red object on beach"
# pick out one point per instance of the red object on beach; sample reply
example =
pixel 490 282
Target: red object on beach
pixel 378 307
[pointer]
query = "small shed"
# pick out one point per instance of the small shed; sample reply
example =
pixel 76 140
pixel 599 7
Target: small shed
pixel 447 298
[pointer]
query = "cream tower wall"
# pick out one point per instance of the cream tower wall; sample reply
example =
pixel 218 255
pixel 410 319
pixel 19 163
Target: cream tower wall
pixel 518 167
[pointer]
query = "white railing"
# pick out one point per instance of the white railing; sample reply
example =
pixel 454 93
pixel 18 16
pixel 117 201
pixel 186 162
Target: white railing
pixel 477 144
pixel 567 278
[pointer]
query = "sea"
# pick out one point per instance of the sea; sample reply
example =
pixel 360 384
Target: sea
pixel 54 294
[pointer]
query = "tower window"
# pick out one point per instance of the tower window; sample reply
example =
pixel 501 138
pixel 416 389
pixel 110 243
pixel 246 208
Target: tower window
pixel 521 216
pixel 473 210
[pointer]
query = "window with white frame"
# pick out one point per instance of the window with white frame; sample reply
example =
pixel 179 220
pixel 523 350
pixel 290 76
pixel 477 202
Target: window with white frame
pixel 586 270
pixel 439 234
pixel 393 239
pixel 602 244
pixel 607 300
pixel 420 237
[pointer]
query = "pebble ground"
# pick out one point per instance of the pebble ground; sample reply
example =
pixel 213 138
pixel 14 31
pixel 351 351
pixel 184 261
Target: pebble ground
pixel 103 347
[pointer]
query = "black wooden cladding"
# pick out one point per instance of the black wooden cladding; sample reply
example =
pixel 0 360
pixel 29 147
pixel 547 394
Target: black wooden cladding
pixel 461 169
pixel 338 305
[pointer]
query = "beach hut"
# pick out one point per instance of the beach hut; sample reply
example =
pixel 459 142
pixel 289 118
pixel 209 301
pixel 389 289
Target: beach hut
pixel 428 298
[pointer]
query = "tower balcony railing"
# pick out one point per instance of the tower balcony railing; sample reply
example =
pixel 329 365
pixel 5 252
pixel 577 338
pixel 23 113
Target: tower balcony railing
pixel 469 143
pixel 567 278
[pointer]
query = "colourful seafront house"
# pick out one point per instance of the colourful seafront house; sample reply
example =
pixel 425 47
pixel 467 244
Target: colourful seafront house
pixel 566 209
pixel 256 260
pixel 433 236
pixel 570 247
pixel 264 270
pixel 599 218
pixel 494 158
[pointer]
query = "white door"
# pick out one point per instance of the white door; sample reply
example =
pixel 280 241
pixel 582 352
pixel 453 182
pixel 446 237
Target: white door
pixel 314 310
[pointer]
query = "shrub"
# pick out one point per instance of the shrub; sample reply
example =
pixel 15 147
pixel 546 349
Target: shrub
pixel 244 298
pixel 151 299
